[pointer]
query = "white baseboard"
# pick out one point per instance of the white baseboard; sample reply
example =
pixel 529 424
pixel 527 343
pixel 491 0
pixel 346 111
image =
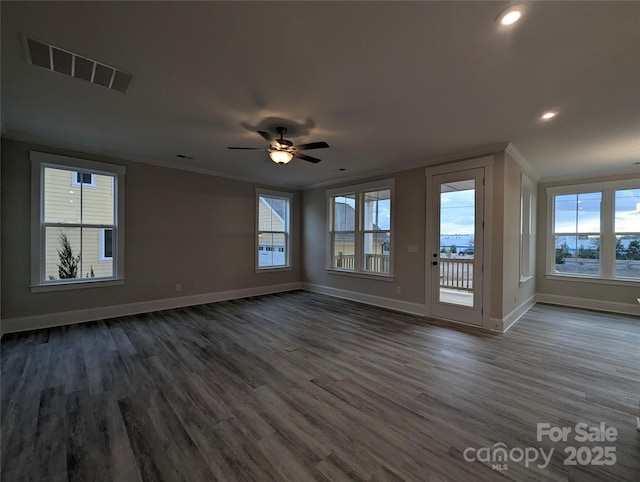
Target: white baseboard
pixel 517 313
pixel 589 304
pixel 389 303
pixel 26 323
pixel 495 324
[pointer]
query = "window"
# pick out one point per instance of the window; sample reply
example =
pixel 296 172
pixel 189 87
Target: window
pixel 77 222
pixel 577 232
pixel 595 230
pixel 527 231
pixel 273 214
pixel 360 228
pixel 85 179
pixel 627 233
pixel 343 232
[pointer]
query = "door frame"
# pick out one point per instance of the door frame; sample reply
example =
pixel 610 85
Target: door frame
pixel 487 163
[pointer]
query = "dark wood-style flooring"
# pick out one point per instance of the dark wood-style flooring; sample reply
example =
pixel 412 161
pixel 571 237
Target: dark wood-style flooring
pixel 299 386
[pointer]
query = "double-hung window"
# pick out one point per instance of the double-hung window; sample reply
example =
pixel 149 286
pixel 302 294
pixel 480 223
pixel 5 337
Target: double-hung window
pixel 595 230
pixel 360 228
pixel 273 222
pixel 77 223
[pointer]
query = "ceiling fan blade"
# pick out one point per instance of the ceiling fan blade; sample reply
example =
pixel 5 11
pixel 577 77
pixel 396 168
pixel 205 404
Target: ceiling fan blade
pixel 249 148
pixel 311 145
pixel 304 157
pixel 268 137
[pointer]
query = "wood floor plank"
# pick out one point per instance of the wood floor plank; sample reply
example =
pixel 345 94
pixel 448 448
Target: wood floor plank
pixel 299 386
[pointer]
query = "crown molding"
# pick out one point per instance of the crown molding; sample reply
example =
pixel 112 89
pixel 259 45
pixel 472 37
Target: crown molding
pixel 116 155
pixel 520 159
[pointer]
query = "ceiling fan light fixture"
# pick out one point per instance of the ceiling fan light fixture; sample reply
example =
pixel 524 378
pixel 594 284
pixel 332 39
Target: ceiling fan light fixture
pixel 282 151
pixel 280 157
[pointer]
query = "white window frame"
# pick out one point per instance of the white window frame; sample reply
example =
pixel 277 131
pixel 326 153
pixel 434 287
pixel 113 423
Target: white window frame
pixel 607 231
pixel 359 190
pixel 41 160
pixel 288 196
pixel 75 183
pixel 102 243
pixel 527 229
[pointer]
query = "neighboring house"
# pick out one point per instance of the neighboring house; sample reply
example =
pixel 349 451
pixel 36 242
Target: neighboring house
pixel 74 197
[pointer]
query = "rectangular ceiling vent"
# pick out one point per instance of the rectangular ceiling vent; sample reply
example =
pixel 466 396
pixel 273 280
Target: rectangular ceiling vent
pixel 74 65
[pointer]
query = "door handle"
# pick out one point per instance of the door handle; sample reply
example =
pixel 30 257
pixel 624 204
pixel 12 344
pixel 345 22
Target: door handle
pixel 434 263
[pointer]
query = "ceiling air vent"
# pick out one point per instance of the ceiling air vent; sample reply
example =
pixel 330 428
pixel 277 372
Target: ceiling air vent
pixel 65 62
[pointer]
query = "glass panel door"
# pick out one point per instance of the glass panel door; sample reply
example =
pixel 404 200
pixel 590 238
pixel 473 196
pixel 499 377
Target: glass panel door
pixel 456 262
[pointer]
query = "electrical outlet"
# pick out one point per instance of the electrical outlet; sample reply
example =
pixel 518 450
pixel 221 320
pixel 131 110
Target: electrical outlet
pixel 398 290
pixel 194 285
pixel 178 287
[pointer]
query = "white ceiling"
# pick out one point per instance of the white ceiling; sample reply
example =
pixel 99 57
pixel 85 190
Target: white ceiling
pixel 386 84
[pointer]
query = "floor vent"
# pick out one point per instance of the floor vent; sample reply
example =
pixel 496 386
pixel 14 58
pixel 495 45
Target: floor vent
pixel 67 63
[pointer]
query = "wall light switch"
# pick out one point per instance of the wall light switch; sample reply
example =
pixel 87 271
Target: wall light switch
pixel 412 248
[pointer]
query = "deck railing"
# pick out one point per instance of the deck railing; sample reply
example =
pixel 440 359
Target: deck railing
pixel 377 263
pixel 456 274
pixel 345 261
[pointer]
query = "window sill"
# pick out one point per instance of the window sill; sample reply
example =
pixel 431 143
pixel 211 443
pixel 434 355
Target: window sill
pixel 361 274
pixel 525 279
pixel 275 268
pixel 76 285
pixel 585 279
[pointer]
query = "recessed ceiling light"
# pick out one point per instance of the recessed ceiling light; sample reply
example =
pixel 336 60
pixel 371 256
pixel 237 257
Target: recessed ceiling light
pixel 548 115
pixel 510 15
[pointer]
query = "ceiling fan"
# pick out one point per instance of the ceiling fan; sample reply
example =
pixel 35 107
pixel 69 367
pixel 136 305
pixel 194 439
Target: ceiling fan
pixel 282 151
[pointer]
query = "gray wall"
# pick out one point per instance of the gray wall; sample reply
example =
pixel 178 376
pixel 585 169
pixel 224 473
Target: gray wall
pixel 507 293
pixel 409 226
pixel 514 292
pixel 198 230
pixel 181 227
pixel 496 239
